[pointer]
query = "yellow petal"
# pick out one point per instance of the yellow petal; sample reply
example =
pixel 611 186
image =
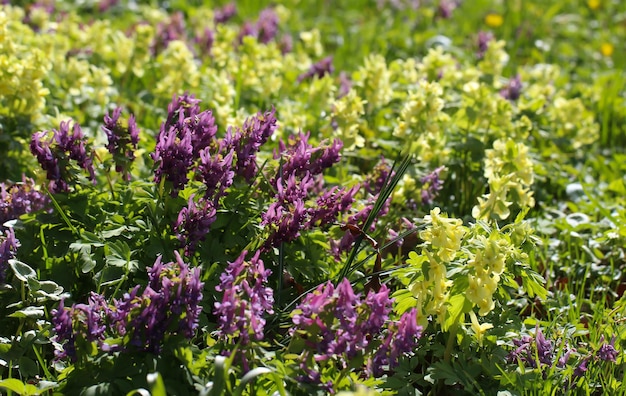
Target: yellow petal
pixel 606 49
pixel 494 20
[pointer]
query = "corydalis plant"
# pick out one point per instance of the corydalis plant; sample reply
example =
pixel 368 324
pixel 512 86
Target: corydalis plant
pixel 245 302
pixel 247 141
pixel 334 326
pixel 20 198
pixel 8 248
pixel 168 306
pixel 182 137
pixel 194 222
pixel 297 179
pixel 55 153
pixel 538 352
pixel 122 140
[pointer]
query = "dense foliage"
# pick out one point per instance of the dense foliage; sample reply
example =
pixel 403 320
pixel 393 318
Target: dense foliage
pixel 351 197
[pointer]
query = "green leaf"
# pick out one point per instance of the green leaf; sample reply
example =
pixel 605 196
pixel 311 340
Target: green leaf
pixel 455 308
pixel 444 371
pixel 14 385
pixel 250 375
pixel 218 385
pixel 157 387
pixel 22 271
pixel 28 312
pixel 28 368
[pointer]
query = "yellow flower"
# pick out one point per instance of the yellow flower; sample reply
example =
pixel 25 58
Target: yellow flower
pixel 594 4
pixel 444 234
pixel 606 49
pixel 479 329
pixel 494 20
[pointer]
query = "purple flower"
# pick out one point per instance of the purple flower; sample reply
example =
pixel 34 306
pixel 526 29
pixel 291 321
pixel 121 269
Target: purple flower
pixel 246 300
pixel 247 29
pixel 545 349
pixel 62 322
pixel 53 154
pixel 267 25
pixel 562 361
pixel 286 215
pixel 194 222
pixel 285 44
pixel 247 141
pixel 122 140
pixel 581 369
pixel 8 248
pixel 205 41
pixel 607 352
pixel 299 157
pixel 345 84
pixel 431 185
pixel 318 69
pixel 401 338
pixel 222 15
pixel 338 325
pixel 378 177
pixel 183 114
pixel 358 219
pixel 380 306
pixel 483 43
pixel 513 90
pixel 174 157
pixel 184 134
pixel 169 305
pixel 445 8
pixel 167 32
pixel 20 198
pixel 104 5
pixel 532 351
pixel 330 204
pixel 216 171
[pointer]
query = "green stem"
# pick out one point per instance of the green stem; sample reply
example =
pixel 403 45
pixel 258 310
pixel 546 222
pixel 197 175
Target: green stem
pixel 451 342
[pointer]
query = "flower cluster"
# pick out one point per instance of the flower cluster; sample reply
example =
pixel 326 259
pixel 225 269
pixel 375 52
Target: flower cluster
pixel 247 141
pixel 431 185
pixel 301 158
pixel 318 69
pixel 24 69
pixel 216 171
pixel 443 237
pixel 422 122
pixel 122 140
pixel 169 305
pixel 538 352
pixel 20 198
pixel 193 223
pixel 297 179
pixel 222 15
pixel 513 90
pixel 166 32
pixel 265 28
pixel 54 155
pixel 509 171
pixel 185 133
pixel 334 325
pixel 486 267
pixel 372 186
pixel 246 300
pixel 535 351
pixel 346 119
pixel 8 247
